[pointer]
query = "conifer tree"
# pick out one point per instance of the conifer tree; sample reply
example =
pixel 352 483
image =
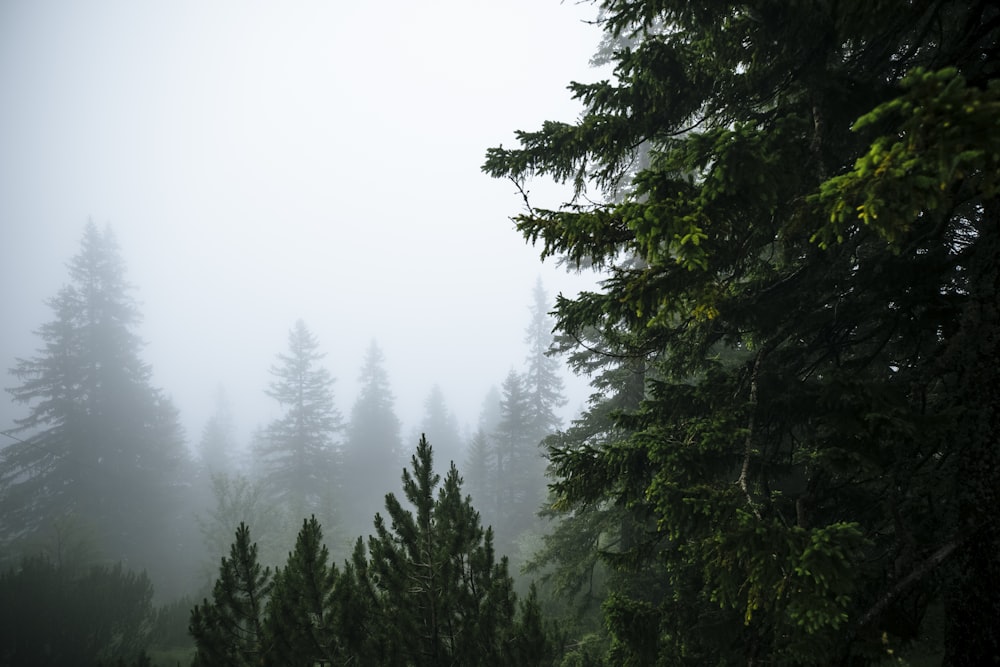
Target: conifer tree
pixel 373 451
pixel 229 630
pixel 297 453
pixel 518 465
pixel 802 254
pixel 542 381
pixel 301 613
pixel 428 590
pixel 436 575
pixel 99 442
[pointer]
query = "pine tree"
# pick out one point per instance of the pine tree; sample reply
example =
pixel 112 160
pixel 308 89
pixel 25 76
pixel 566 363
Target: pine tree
pixel 518 465
pixel 801 254
pixel 436 575
pixel 427 591
pixel 99 443
pixel 542 381
pixel 229 630
pixel 301 612
pixel 297 453
pixel 372 453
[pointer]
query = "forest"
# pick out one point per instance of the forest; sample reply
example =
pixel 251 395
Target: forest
pixel 789 456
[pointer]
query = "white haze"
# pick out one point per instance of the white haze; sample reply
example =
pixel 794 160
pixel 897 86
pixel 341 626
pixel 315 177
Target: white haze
pixel 261 162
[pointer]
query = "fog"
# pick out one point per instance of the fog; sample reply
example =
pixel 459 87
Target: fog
pixel 261 162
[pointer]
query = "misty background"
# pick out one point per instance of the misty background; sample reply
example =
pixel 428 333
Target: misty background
pixel 263 162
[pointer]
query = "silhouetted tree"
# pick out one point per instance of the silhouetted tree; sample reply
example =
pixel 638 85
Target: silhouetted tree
pixel 99 442
pixel 543 383
pixel 297 454
pixel 372 453
pixel 518 467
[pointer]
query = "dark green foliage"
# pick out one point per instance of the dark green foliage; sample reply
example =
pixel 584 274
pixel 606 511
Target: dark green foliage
pixel 542 381
pixel 229 629
pixel 301 611
pixel 53 616
pixel 428 591
pixel 799 241
pixel 435 574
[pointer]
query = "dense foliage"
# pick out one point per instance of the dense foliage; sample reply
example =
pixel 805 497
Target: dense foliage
pixel 427 590
pixel 55 615
pixel 800 238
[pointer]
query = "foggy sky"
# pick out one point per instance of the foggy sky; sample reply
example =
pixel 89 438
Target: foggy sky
pixel 262 162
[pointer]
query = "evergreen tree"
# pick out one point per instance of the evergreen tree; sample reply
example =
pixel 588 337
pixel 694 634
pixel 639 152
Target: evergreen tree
pixel 297 453
pixel 480 458
pixel 301 612
pixel 435 575
pixel 229 630
pixel 372 454
pixel 428 591
pixel 542 381
pixel 806 253
pixel 99 443
pixel 518 466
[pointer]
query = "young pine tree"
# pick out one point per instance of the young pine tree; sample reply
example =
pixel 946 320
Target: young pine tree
pixel 229 630
pixel 301 613
pixel 435 574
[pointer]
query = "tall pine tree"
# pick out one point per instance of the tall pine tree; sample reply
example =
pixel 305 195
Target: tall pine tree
pixel 99 442
pixel 373 451
pixel 297 453
pixel 807 253
pixel 542 382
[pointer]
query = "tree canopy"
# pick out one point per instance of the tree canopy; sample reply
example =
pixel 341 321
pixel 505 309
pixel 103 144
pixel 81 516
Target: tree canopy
pixel 799 234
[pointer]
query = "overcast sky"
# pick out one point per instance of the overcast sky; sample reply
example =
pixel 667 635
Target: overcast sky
pixel 261 162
